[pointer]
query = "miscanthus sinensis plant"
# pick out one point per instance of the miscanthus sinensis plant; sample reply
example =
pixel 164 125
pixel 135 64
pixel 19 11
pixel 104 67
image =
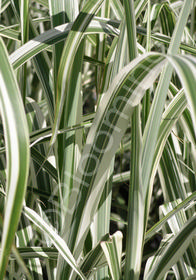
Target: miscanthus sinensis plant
pixel 98 98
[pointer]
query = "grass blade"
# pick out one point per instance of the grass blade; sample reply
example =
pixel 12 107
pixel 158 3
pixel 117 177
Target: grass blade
pixel 113 251
pixel 17 151
pixel 159 225
pixel 174 250
pixel 55 238
pixel 109 125
pixel 68 55
pixel 186 69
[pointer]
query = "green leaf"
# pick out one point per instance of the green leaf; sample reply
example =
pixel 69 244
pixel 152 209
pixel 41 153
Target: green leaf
pixel 95 259
pixel 157 227
pixel 113 253
pixel 55 238
pixel 53 36
pixel 3 5
pixel 17 153
pixel 35 252
pixel 185 66
pixel 9 32
pixel 103 140
pixel 166 40
pixel 71 47
pixel 173 251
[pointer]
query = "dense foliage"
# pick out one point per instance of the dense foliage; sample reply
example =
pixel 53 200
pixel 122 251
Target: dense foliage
pixel 98 139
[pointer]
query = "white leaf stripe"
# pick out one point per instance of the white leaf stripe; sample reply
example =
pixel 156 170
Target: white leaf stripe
pixel 17 152
pixel 71 46
pixel 113 250
pixel 117 102
pixel 53 36
pixel 185 66
pixel 55 238
pixel 172 113
pixel 174 250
